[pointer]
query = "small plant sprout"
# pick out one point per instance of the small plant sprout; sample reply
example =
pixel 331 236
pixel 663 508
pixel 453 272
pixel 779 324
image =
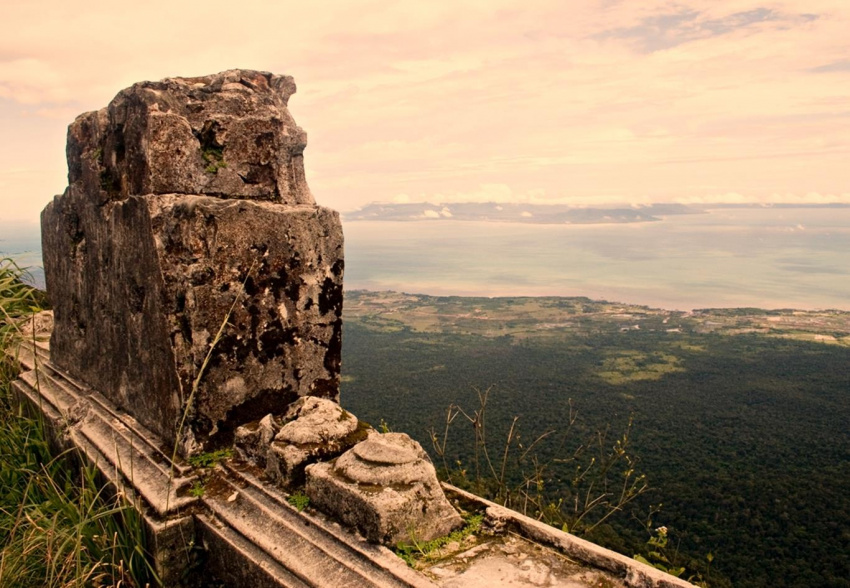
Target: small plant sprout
pixel 417 550
pixel 214 157
pixel 210 459
pixel 299 500
pixel 197 490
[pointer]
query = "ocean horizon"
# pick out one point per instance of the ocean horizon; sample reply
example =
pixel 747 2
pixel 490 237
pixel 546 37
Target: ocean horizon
pixel 750 257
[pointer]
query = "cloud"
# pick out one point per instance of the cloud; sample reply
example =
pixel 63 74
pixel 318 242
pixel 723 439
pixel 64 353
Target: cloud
pixel 671 29
pixel 484 193
pixel 842 65
pixel 656 32
pixel 505 101
pixel 31 81
pixel 774 198
pixel 500 193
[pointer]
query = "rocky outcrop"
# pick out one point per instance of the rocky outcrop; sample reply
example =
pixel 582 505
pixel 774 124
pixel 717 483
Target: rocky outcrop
pixel 190 270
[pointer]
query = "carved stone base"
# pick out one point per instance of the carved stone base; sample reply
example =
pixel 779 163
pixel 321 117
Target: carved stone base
pixel 386 488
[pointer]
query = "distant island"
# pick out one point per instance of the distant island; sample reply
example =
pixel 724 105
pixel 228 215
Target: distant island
pixel 542 213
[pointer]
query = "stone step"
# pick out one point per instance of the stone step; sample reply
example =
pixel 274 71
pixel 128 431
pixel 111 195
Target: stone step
pixel 24 354
pixel 123 450
pixel 246 564
pixel 131 430
pixel 312 549
pixel 375 555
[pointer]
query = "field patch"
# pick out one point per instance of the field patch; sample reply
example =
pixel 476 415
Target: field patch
pixel 623 367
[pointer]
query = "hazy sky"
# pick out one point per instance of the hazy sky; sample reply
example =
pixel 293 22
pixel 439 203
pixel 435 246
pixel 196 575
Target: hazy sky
pixel 584 101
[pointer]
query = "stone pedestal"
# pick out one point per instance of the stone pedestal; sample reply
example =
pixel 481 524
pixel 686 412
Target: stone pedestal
pixel 387 488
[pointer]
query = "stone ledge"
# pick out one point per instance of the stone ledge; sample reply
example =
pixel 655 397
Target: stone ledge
pixel 633 573
pixel 317 550
pixel 124 451
pixel 82 423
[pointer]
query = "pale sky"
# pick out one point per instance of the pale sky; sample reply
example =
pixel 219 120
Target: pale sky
pixel 594 101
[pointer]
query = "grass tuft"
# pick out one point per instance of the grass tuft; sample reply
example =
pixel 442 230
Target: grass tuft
pixel 416 551
pixel 59 524
pixel 299 500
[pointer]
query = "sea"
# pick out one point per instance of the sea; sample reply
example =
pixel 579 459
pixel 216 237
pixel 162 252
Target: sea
pixel 725 257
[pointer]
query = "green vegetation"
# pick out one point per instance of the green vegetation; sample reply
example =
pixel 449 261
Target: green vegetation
pixel 604 479
pixel 17 299
pixel 210 459
pixel 416 551
pixel 60 525
pixel 214 156
pixel 299 500
pixel 661 556
pixel 631 366
pixel 198 489
pixel 745 442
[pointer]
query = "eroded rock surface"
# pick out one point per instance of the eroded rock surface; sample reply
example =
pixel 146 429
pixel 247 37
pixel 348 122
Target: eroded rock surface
pixel 315 421
pixel 387 488
pixel 38 326
pixel 228 135
pixel 512 562
pixel 251 442
pixel 187 213
pixel 312 429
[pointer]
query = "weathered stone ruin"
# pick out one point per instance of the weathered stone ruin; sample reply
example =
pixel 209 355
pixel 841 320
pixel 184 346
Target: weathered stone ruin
pixel 315 429
pixel 384 485
pixel 387 488
pixel 187 209
pixel 197 290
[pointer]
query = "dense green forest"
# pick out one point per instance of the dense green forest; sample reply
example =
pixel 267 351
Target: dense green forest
pixel 743 433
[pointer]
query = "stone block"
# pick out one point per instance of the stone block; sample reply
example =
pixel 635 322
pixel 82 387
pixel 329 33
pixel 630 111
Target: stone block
pixel 317 429
pixel 251 442
pixel 187 217
pixel 228 134
pixel 387 488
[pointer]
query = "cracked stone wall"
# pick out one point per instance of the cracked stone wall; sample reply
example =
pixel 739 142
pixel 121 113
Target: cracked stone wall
pixel 187 207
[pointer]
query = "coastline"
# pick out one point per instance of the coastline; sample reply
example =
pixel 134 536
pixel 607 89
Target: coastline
pixel 741 257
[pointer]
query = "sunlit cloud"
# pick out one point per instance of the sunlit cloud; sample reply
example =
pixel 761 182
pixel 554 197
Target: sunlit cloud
pixel 684 25
pixel 775 198
pixel 836 66
pixel 535 101
pixel 500 193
